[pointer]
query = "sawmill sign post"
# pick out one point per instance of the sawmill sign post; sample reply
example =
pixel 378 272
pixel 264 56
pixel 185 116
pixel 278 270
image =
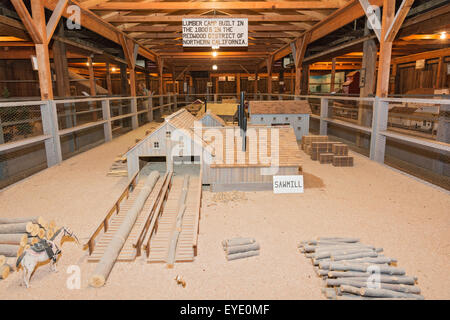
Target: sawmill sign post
pixel 215 32
pixel 288 184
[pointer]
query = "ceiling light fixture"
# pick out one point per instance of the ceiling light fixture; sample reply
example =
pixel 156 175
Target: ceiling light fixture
pixel 214 67
pixel 443 35
pixel 214 54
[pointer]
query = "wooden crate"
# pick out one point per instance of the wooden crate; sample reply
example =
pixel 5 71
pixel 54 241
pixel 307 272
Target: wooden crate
pixel 340 149
pixel 326 158
pixel 342 161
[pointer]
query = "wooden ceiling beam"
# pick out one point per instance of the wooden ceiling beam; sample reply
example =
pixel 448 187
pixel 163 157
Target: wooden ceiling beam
pixel 160 18
pixel 240 5
pixel 178 28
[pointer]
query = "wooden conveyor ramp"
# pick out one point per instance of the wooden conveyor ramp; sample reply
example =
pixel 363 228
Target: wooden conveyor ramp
pixel 156 222
pixel 178 240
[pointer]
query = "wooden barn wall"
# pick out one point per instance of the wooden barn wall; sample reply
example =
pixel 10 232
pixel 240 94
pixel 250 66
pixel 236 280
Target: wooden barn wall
pixel 410 78
pixel 17 71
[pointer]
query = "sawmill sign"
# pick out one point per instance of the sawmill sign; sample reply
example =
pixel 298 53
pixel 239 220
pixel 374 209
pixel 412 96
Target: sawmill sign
pixel 215 33
pixel 288 184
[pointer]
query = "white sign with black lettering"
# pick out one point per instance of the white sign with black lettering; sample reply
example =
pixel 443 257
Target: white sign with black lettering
pixel 215 33
pixel 288 184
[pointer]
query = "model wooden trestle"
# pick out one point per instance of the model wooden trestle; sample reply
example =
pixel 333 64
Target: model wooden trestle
pixel 165 228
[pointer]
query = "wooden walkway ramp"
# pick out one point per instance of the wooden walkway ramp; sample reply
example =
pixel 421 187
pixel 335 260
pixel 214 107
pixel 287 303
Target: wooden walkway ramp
pixel 187 238
pixel 128 252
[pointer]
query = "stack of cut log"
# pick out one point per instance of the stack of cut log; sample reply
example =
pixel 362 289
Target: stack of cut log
pixel 17 235
pixel 119 167
pixel 352 270
pixel 325 151
pixel 239 248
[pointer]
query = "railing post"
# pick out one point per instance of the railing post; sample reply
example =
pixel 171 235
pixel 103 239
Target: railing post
pixel 106 111
pixel 134 117
pixel 323 116
pixel 175 101
pixel 50 127
pixel 150 108
pixel 161 103
pixel 379 124
pixel 215 98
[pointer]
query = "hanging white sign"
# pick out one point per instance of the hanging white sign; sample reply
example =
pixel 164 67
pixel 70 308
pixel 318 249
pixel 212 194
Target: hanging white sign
pixel 215 33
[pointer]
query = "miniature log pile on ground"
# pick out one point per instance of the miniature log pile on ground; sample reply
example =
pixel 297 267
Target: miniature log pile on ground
pixel 17 235
pixel 352 270
pixel 239 248
pixel 118 168
pixel 325 151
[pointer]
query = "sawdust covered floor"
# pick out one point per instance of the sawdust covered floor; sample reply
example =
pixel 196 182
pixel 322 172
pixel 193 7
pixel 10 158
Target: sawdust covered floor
pixel 409 219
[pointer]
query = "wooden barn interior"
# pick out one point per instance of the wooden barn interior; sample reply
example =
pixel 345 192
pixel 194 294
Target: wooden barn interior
pixel 83 82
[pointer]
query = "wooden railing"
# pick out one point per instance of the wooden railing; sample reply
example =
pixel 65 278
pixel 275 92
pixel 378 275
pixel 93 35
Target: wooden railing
pixel 114 210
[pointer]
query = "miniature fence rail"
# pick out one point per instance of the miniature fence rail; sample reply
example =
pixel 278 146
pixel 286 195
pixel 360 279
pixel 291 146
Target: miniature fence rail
pixel 115 209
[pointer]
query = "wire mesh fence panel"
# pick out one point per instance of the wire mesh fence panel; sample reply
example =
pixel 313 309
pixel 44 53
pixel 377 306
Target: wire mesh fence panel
pixel 142 103
pixel 80 141
pixel 20 122
pixel 78 113
pixel 19 163
pixel 120 107
pixel 142 119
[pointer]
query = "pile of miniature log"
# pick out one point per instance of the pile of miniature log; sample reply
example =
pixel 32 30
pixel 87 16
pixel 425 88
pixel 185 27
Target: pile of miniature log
pixel 352 270
pixel 239 248
pixel 17 235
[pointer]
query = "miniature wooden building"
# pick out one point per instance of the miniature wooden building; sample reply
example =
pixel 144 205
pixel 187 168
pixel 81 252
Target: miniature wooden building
pixel 224 165
pixel 294 113
pixel 210 119
pixel 351 84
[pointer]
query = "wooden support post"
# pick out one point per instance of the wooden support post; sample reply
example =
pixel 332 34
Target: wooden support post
pixel 106 111
pixel 217 85
pixel 380 108
pixel 123 80
pixel 369 61
pixel 301 45
pixel 150 107
pixel 61 65
pixel 269 75
pixel 305 80
pixel 93 93
pixel 108 79
pixel 333 75
pixel 440 73
pixel 90 64
pixel 323 116
pixel 160 62
pixel 50 127
pixel 45 76
pixel 256 82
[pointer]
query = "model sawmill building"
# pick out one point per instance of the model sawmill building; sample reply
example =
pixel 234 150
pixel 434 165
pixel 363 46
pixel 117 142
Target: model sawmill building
pixel 193 143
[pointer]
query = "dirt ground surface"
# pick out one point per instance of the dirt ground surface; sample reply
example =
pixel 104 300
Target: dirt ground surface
pixel 409 219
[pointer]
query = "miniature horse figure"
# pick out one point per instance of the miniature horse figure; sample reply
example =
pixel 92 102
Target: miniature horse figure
pixel 43 251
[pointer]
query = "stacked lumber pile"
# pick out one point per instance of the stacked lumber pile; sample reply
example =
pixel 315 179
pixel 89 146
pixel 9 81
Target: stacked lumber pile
pixel 327 152
pixel 352 270
pixel 118 168
pixel 239 248
pixel 17 235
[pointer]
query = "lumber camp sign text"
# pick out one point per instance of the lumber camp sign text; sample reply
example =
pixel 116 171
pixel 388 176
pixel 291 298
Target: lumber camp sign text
pixel 288 184
pixel 215 33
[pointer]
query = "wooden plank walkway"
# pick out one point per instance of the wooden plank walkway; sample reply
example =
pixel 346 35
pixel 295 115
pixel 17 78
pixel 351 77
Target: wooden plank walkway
pixel 128 253
pixel 159 244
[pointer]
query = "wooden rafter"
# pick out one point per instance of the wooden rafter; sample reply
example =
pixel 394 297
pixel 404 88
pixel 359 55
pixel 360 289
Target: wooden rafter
pixel 241 5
